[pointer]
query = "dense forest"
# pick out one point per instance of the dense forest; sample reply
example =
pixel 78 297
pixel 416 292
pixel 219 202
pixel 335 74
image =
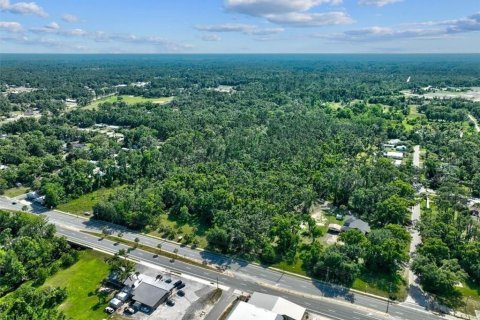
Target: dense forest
pixel 247 165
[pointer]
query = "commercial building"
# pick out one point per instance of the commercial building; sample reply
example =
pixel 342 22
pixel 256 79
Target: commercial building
pixel 267 307
pixel 146 290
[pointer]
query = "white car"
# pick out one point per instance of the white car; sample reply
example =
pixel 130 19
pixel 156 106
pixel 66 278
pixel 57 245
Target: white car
pixel 109 310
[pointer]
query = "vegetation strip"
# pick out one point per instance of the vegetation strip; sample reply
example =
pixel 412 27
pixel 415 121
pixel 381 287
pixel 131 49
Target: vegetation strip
pixel 156 251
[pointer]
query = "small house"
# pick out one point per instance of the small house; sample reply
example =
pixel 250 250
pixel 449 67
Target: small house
pixel 352 222
pixel 394 155
pixel 394 141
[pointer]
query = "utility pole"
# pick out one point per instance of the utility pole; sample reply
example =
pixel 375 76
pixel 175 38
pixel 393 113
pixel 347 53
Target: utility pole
pixel 388 298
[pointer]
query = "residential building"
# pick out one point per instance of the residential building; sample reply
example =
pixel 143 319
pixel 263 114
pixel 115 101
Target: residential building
pixel 352 222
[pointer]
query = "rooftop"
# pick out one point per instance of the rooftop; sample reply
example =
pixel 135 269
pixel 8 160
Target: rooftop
pixel 247 311
pixel 352 222
pixel 147 290
pixel 277 305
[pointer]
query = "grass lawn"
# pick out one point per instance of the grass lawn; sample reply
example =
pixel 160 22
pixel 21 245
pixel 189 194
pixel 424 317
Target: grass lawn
pixel 81 281
pixel 295 267
pixel 85 202
pixel 13 192
pixel 380 284
pixel 129 100
pixel 471 296
pixel 183 228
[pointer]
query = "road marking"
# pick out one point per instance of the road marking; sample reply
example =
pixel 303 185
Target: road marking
pixel 331 310
pixel 186 267
pixel 308 303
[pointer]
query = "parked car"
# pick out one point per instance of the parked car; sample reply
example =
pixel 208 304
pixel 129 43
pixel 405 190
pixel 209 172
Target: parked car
pixel 145 309
pixel 181 293
pixel 181 286
pixel 177 283
pixel 14 202
pixel 109 310
pixel 168 280
pixel 170 303
pixel 130 310
pixel 86 213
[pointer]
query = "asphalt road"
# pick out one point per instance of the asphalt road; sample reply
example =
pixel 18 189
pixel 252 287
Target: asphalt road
pixel 325 299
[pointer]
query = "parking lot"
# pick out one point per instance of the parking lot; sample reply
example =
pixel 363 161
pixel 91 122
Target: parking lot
pixel 193 301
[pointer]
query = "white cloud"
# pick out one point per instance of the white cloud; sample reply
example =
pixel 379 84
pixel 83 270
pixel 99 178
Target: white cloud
pixel 377 3
pixel 35 43
pixel 75 32
pixel 23 8
pixel 424 30
pixel 290 12
pixel 11 26
pixel 238 27
pixel 261 8
pixel 211 37
pixel 301 19
pixel 67 17
pixel 52 25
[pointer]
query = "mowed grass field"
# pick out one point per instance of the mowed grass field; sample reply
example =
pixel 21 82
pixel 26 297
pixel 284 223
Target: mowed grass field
pixel 129 100
pixel 86 202
pixel 81 281
pixel 13 192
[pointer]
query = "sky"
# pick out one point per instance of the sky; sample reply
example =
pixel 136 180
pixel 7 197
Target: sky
pixel 240 26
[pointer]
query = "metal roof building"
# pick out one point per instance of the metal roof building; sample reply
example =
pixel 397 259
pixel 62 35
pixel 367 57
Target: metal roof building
pixel 247 311
pixel 278 305
pixel 148 291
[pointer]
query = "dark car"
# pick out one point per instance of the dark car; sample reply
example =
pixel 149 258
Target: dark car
pixel 170 303
pixel 181 286
pixel 14 202
pixel 181 293
pixel 177 283
pixel 168 280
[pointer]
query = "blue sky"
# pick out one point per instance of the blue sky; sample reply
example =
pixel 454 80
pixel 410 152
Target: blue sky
pixel 240 26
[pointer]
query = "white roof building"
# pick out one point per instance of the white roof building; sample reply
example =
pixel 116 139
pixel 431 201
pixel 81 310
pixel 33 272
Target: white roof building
pixel 247 311
pixel 394 141
pixel 278 305
pixel 394 155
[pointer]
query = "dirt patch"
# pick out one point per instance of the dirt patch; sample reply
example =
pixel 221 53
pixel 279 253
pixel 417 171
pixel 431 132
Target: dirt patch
pixel 318 211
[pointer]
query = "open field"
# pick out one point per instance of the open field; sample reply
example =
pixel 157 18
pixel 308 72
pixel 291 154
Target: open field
pixel 129 100
pixel 81 281
pixel 471 296
pixel 14 192
pixel 86 202
pixel 470 94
